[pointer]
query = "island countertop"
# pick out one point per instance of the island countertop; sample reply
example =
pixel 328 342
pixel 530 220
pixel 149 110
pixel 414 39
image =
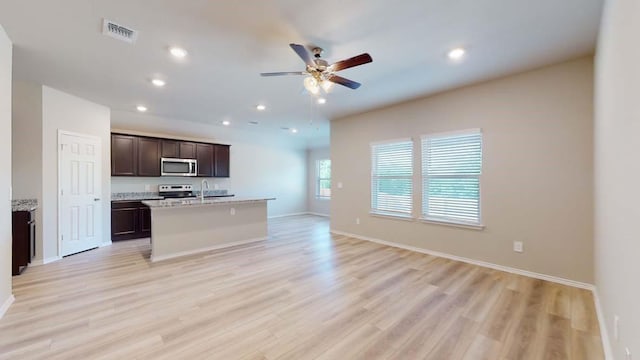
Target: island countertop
pixel 182 203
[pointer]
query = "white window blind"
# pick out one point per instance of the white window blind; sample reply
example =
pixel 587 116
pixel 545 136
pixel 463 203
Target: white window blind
pixel 392 178
pixel 451 169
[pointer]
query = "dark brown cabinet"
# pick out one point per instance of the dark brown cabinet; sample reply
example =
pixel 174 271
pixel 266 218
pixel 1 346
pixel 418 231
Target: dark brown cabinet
pixel 170 149
pixel 221 161
pixel 124 151
pixel 23 240
pixel 130 220
pixel 187 150
pixel 148 157
pixel 204 155
pixel 141 155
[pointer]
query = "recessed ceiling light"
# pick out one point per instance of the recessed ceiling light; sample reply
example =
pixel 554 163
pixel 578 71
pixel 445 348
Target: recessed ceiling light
pixel 322 101
pixel 457 53
pixel 141 108
pixel 158 82
pixel 260 107
pixel 294 130
pixel 226 123
pixel 178 52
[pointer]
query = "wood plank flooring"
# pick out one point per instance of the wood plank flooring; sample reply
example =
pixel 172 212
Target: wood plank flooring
pixel 302 294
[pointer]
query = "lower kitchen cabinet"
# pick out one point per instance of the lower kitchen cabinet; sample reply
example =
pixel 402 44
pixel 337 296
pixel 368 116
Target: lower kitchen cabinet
pixel 23 240
pixel 130 220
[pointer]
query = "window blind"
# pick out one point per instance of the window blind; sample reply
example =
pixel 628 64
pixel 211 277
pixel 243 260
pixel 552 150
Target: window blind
pixel 451 169
pixel 392 178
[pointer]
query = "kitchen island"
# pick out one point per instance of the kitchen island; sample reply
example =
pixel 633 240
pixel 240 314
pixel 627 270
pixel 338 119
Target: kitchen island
pixel 185 227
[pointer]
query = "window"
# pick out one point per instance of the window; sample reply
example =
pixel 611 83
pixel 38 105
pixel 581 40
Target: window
pixel 451 169
pixel 323 179
pixel 392 178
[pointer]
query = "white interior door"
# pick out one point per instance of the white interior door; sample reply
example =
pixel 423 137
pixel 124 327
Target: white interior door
pixel 80 211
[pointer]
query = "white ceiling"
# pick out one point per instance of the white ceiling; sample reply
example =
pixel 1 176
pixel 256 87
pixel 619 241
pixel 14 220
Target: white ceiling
pixel 59 43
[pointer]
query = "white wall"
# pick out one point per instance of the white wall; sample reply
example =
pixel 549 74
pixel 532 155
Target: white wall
pixel 316 206
pixel 537 172
pixel 617 170
pixel 5 176
pixel 26 135
pixel 260 165
pixel 61 111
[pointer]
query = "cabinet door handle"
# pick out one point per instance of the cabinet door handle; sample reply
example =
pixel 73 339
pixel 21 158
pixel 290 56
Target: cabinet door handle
pixel 96 199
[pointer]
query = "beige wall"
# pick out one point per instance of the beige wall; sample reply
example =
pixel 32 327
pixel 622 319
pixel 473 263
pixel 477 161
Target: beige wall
pixel 537 172
pixel 61 111
pixel 26 136
pixel 260 164
pixel 5 176
pixel 315 205
pixel 617 170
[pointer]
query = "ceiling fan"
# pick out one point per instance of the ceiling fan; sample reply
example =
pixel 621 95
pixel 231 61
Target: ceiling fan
pixel 318 71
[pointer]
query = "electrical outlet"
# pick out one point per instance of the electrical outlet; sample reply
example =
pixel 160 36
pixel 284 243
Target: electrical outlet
pixel 357 221
pixel 216 186
pixel 616 327
pixel 339 185
pixel 518 246
pixel 232 211
pixel 147 187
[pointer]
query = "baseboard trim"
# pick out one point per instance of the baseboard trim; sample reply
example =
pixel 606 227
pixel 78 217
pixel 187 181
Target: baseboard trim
pixel 40 262
pixel 286 215
pixel 489 265
pixel 201 250
pixel 5 306
pixel 604 331
pixel 317 214
pixel 108 243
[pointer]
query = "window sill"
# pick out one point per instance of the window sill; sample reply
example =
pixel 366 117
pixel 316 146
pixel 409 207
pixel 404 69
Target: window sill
pixel 392 216
pixel 451 223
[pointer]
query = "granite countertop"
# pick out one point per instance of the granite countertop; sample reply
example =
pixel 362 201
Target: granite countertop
pixel 148 195
pixel 24 204
pixel 182 203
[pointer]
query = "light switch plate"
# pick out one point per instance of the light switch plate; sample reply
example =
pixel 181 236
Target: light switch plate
pixel 518 246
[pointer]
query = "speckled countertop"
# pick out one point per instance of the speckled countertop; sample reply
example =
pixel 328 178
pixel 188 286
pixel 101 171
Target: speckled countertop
pixel 178 203
pixel 148 195
pixel 24 204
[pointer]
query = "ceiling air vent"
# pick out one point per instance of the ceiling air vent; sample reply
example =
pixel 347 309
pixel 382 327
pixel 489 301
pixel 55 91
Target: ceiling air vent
pixel 119 32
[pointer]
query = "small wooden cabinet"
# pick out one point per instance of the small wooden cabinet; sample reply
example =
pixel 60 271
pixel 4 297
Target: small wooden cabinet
pixel 221 161
pixel 124 155
pixel 141 155
pixel 130 220
pixel 204 155
pixel 23 240
pixel 149 151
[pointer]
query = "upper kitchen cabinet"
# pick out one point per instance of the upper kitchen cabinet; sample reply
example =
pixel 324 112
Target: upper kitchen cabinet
pixel 124 155
pixel 204 155
pixel 187 150
pixel 149 150
pixel 221 161
pixel 170 149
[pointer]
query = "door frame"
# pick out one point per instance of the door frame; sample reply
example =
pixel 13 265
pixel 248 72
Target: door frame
pixel 61 133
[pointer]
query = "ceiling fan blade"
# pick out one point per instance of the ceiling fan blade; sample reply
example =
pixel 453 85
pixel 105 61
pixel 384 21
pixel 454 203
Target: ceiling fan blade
pixel 304 54
pixel 351 62
pixel 344 82
pixel 283 73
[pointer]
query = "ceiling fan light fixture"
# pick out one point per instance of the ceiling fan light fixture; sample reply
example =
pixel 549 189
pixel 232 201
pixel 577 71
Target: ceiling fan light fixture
pixel 326 85
pixel 322 101
pixel 311 84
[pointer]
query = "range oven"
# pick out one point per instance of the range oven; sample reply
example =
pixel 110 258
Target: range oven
pixel 178 167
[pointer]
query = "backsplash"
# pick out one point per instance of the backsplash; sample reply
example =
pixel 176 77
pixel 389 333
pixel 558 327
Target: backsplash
pixel 150 185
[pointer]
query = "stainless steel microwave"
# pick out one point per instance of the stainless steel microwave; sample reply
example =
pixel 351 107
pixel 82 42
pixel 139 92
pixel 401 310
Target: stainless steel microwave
pixel 178 167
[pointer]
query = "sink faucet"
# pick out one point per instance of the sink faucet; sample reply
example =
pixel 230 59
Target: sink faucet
pixel 204 182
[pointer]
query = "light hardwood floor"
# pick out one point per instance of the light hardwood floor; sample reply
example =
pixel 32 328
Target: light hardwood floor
pixel 302 294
